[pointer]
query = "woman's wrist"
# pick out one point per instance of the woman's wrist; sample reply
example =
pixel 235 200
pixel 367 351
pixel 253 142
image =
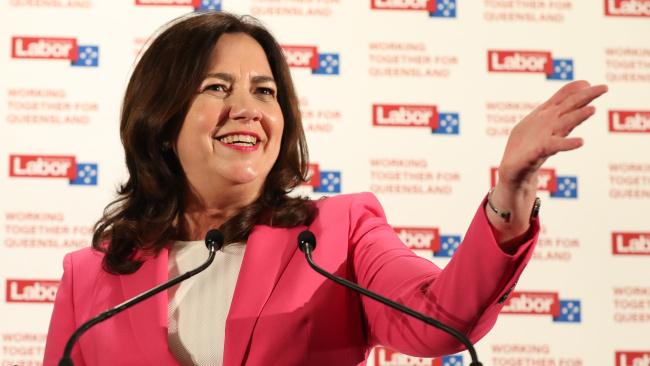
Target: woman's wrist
pixel 509 210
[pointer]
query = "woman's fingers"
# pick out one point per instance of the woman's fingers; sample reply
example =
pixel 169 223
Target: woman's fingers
pixel 565 91
pixel 571 120
pixel 558 144
pixel 581 98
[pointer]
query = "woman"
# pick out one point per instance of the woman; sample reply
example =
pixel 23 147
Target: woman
pixel 212 136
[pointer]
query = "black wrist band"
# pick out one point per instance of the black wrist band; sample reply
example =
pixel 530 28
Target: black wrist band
pixel 505 215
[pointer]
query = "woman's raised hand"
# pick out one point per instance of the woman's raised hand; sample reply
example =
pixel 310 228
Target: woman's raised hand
pixel 541 134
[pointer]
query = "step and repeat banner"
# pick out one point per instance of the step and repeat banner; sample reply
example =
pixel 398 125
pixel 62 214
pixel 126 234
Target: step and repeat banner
pixel 410 99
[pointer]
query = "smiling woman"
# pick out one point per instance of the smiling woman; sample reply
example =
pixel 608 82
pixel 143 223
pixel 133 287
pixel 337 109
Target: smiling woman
pixel 186 172
pixel 213 138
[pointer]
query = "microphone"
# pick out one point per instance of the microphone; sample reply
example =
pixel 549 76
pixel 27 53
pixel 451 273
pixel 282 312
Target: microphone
pixel 213 240
pixel 307 244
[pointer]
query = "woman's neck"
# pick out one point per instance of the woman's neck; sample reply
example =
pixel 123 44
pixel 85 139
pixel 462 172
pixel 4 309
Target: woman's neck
pixel 206 212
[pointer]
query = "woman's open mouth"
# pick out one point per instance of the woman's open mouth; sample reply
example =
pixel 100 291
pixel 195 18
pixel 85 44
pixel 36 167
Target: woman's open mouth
pixel 239 141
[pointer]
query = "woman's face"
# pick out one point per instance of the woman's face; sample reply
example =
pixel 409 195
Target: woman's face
pixel 231 134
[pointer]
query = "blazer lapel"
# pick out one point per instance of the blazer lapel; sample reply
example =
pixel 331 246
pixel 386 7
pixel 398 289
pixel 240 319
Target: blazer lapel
pixel 149 318
pixel 268 252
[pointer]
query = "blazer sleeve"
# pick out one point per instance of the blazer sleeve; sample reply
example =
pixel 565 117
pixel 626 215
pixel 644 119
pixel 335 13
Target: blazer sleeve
pixel 467 295
pixel 62 322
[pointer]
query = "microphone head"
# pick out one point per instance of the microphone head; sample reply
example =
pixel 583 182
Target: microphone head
pixel 306 238
pixel 214 238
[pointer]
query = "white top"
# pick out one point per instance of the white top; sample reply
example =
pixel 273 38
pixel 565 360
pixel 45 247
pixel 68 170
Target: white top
pixel 198 306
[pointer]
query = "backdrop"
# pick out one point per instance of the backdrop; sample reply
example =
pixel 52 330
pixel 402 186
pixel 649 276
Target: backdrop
pixel 410 99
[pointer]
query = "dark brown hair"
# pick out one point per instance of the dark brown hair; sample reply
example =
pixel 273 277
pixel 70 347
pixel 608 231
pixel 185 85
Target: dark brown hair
pixel 145 215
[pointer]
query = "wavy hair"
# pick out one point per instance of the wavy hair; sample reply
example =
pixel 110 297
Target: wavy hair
pixel 145 215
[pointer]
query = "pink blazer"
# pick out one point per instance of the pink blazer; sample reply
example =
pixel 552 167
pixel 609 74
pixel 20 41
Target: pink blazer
pixel 284 313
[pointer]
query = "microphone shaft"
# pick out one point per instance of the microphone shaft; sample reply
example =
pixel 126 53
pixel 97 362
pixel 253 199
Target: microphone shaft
pixel 67 361
pixel 342 281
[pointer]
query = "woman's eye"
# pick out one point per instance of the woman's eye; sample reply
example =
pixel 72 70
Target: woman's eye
pixel 266 91
pixel 216 88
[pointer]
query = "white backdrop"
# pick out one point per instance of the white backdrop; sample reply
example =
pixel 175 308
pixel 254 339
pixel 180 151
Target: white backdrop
pixel 410 99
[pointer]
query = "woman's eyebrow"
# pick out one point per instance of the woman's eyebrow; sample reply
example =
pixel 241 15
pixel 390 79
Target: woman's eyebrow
pixel 262 79
pixel 221 75
pixel 229 78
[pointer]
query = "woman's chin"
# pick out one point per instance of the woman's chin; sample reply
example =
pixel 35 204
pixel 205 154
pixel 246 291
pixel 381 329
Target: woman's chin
pixel 244 175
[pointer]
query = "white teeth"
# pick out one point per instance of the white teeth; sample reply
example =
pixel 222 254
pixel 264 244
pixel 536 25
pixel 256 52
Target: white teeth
pixel 241 140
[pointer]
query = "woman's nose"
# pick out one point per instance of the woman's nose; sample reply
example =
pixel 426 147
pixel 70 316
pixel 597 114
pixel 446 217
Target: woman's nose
pixel 243 108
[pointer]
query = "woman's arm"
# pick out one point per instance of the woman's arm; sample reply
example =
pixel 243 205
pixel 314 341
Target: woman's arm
pixel 467 295
pixel 471 290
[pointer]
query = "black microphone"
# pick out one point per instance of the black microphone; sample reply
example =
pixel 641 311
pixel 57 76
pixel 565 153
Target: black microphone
pixel 307 243
pixel 213 240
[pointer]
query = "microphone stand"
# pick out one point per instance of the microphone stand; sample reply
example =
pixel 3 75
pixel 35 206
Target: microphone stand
pixel 213 240
pixel 307 243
